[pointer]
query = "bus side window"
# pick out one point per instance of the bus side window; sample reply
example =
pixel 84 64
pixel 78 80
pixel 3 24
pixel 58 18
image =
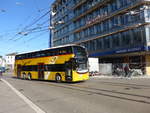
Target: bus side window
pixel 46 67
pixel 33 55
pixel 30 55
pixel 16 57
pixel 34 68
pixel 68 50
pixel 27 56
pixel 22 56
pixel 55 52
pixel 19 57
pixel 36 54
pixel 63 51
pixel 46 53
pixel 43 54
pixel 51 53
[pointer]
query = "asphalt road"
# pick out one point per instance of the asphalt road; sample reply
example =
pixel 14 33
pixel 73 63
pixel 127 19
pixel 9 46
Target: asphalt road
pixel 97 95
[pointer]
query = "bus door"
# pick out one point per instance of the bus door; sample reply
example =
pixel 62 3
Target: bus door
pixel 41 70
pixel 18 71
pixel 68 71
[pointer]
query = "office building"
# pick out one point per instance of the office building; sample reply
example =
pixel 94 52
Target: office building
pixel 115 31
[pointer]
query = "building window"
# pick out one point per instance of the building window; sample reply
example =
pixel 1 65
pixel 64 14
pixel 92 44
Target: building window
pixel 99 44
pixel 115 40
pixel 126 38
pixel 92 45
pixel 106 42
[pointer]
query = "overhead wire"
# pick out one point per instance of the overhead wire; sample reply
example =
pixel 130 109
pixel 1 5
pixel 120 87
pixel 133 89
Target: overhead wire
pixel 18 28
pixel 32 38
pixel 39 28
pixel 30 33
pixel 13 38
pixel 35 37
pixel 37 20
pixel 36 5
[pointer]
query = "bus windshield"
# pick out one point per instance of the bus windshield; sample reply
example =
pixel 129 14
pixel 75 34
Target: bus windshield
pixel 81 59
pixel 79 52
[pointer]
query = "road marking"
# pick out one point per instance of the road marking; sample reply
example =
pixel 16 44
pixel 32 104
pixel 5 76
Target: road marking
pixel 29 102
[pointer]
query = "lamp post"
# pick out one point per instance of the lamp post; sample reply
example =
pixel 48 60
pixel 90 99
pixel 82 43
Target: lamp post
pixel 50 33
pixel 52 27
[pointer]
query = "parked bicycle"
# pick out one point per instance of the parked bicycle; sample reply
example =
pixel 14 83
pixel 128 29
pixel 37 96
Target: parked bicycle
pixel 118 72
pixel 134 72
pixel 94 73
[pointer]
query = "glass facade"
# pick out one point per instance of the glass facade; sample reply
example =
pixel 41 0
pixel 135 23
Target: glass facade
pixel 104 27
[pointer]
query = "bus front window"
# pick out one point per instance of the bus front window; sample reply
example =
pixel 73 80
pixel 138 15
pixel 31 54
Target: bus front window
pixel 81 59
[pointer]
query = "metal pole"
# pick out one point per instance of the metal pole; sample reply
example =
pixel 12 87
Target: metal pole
pixel 50 33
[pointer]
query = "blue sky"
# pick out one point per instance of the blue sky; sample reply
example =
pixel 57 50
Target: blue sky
pixel 15 15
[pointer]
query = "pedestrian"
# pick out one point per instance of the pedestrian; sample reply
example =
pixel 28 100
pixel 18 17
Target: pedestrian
pixel 143 69
pixel 126 70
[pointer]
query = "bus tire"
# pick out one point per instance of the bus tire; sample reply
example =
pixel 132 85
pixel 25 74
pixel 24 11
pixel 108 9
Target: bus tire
pixel 29 76
pixel 58 78
pixel 24 75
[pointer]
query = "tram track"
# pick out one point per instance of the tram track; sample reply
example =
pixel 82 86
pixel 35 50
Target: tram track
pixel 104 92
pixel 110 93
pixel 134 86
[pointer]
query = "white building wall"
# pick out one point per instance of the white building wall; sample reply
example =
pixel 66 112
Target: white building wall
pixel 10 60
pixel 2 62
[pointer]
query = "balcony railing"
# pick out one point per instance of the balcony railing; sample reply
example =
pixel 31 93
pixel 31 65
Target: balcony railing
pixel 79 3
pixel 99 4
pixel 104 17
pixel 114 31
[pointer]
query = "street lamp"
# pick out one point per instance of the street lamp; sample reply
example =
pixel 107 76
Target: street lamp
pixel 60 22
pixel 134 12
pixel 51 28
pixel 53 13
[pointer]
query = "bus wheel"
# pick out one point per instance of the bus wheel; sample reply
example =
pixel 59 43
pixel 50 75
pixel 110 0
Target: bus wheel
pixel 58 78
pixel 24 75
pixel 29 76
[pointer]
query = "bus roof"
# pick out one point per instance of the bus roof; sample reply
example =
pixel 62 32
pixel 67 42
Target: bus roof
pixel 49 48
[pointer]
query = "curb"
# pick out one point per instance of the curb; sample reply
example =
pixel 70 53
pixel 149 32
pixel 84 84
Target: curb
pixel 139 77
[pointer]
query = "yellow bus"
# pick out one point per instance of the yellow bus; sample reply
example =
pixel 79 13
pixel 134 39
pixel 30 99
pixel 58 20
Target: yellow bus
pixel 67 63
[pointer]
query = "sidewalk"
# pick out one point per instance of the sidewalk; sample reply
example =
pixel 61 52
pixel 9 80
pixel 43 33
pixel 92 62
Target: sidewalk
pixel 134 77
pixel 10 102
